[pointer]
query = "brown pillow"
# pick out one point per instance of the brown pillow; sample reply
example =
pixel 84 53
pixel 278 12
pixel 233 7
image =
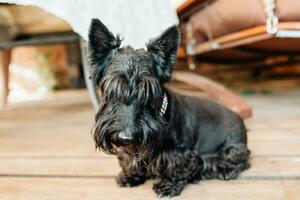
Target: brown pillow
pixel 222 17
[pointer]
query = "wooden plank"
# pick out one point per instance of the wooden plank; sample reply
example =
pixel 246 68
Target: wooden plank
pixel 84 146
pixel 275 135
pixel 49 114
pixel 277 167
pixel 287 124
pixel 49 141
pixel 68 188
pixel 63 145
pixel 99 167
pixel 74 140
pixel 271 148
pixel 63 166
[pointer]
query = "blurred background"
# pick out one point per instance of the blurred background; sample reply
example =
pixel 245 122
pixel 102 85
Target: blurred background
pixel 243 54
pixel 249 61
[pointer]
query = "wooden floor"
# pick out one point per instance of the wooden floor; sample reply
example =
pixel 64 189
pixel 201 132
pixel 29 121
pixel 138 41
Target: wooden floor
pixel 47 152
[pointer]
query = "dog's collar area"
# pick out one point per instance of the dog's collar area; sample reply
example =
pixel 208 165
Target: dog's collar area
pixel 164 105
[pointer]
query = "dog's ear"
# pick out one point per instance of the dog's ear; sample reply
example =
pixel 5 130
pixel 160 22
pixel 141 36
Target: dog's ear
pixel 163 49
pixel 102 47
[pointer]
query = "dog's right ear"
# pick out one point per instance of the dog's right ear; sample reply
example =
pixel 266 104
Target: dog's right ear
pixel 102 47
pixel 163 49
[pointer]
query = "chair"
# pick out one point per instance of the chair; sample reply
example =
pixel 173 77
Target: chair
pixel 235 31
pixel 21 29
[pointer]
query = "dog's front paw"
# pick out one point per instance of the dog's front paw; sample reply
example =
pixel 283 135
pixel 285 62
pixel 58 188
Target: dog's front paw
pixel 168 187
pixel 127 179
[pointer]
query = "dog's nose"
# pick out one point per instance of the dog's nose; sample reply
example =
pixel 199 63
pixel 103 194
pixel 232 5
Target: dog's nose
pixel 126 137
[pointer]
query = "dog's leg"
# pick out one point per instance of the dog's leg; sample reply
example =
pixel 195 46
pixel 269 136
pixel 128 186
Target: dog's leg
pixel 235 160
pixel 169 186
pixel 130 179
pixel 227 164
pixel 179 168
pixel 132 174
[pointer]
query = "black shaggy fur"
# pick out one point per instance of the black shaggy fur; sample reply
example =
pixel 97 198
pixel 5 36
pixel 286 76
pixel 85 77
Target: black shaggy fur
pixel 195 139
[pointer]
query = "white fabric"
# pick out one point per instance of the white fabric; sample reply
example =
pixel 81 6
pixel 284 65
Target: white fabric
pixel 135 20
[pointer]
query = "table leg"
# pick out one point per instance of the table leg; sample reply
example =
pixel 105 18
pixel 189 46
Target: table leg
pixel 5 58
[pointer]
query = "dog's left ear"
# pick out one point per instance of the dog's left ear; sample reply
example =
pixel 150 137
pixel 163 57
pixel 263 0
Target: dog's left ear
pixel 163 49
pixel 102 47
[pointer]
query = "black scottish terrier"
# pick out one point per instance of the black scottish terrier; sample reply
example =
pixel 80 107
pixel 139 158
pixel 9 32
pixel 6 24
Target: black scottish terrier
pixel 155 132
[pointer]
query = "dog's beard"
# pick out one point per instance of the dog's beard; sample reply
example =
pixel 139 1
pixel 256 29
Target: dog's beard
pixel 144 150
pixel 106 129
pixel 152 131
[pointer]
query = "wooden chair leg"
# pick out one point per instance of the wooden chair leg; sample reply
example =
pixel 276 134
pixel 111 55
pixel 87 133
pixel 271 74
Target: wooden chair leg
pixel 5 58
pixel 216 91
